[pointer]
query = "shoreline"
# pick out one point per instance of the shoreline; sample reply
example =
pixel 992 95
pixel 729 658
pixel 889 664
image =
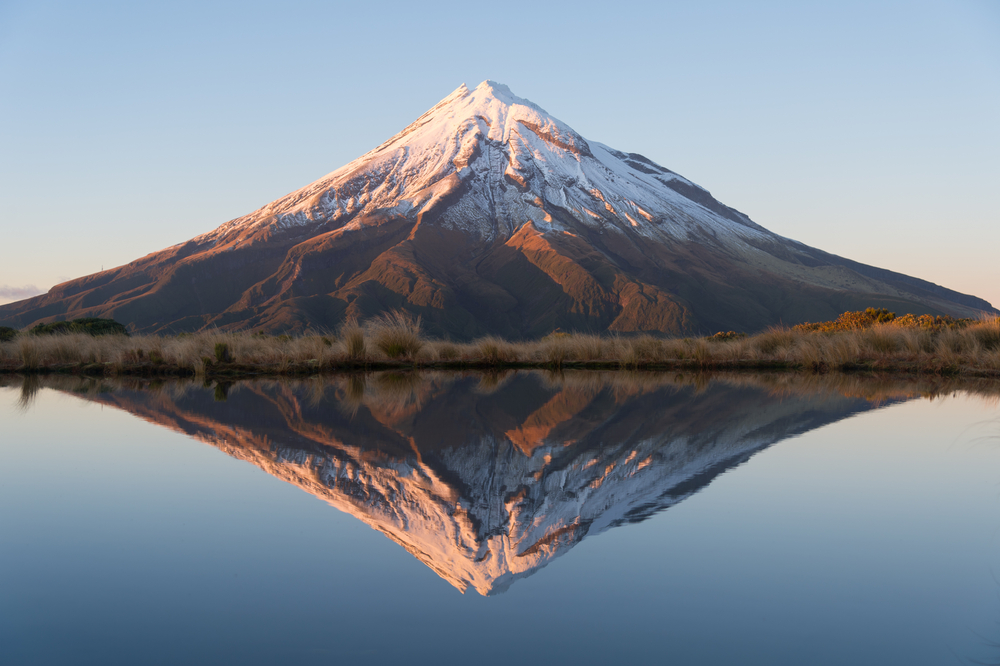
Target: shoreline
pixel 242 370
pixel 872 341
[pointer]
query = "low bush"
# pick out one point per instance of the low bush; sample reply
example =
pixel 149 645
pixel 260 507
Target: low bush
pixel 222 354
pixel 723 336
pixel 7 334
pixel 89 325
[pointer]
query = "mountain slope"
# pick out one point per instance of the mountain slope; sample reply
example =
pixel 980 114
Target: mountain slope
pixel 488 215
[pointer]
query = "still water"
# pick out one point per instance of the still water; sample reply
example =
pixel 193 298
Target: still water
pixel 494 519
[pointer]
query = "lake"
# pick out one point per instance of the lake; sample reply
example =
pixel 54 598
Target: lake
pixel 575 518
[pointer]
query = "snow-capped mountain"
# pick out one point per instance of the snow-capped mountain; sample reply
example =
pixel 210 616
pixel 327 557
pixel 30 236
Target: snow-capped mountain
pixel 537 466
pixel 513 164
pixel 488 215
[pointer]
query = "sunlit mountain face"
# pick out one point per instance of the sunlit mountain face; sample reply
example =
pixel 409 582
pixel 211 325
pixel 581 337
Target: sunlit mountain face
pixel 487 215
pixel 488 478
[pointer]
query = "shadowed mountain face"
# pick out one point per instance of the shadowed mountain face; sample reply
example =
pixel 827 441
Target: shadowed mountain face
pixel 486 479
pixel 488 215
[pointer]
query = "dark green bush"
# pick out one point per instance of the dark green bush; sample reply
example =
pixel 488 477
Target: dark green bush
pixel 91 325
pixel 7 334
pixel 222 354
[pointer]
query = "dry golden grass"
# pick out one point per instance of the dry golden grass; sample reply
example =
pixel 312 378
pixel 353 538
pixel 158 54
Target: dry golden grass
pixel 396 335
pixel 395 341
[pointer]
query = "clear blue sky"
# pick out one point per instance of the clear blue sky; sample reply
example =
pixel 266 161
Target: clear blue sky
pixel 867 129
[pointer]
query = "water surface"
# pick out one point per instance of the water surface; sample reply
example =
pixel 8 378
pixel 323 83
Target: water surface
pixel 578 518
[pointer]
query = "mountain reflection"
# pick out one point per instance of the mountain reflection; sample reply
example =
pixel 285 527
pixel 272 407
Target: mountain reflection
pixel 487 478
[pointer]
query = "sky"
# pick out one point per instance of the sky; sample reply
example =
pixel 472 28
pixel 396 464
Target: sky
pixel 867 129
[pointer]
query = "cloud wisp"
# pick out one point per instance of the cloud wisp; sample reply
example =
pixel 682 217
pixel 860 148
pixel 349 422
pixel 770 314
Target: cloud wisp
pixel 13 293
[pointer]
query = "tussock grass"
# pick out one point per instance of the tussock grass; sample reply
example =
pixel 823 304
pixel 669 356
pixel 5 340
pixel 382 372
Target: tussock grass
pixel 395 341
pixel 397 335
pixel 497 351
pixel 353 339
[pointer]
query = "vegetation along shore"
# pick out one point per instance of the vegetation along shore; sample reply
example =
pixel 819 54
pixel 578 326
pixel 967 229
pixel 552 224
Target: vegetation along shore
pixel 869 340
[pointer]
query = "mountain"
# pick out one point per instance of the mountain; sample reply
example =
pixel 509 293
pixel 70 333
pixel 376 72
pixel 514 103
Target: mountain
pixel 488 215
pixel 540 463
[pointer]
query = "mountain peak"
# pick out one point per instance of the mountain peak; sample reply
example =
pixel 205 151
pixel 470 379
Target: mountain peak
pixel 488 215
pixel 503 93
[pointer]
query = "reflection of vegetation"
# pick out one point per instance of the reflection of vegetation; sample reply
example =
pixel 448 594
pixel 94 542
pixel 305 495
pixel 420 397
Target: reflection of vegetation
pixel 399 389
pixel 30 387
pixel 869 340
pixel 222 391
pixel 491 380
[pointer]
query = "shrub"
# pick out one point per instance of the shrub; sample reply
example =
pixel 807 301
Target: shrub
pixel 7 334
pixel 723 336
pixel 90 325
pixel 222 354
pixel 865 319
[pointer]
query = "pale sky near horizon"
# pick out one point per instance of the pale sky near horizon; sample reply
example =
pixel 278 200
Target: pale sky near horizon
pixel 866 129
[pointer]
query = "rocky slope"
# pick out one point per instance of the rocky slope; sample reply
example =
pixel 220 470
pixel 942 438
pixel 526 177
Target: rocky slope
pixel 488 215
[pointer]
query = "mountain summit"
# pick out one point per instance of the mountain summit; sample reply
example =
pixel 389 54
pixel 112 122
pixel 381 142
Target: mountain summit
pixel 488 215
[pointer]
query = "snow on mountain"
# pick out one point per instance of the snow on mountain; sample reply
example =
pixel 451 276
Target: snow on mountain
pixel 481 137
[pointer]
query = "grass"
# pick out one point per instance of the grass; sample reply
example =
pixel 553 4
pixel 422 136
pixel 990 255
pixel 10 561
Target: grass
pixel 395 341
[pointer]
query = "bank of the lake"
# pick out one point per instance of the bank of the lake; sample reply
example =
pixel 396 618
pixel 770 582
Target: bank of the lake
pixel 901 346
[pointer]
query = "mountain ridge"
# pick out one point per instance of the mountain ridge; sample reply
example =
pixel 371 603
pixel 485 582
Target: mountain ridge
pixel 487 215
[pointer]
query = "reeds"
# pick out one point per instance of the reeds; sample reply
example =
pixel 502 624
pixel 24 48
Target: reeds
pixel 395 341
